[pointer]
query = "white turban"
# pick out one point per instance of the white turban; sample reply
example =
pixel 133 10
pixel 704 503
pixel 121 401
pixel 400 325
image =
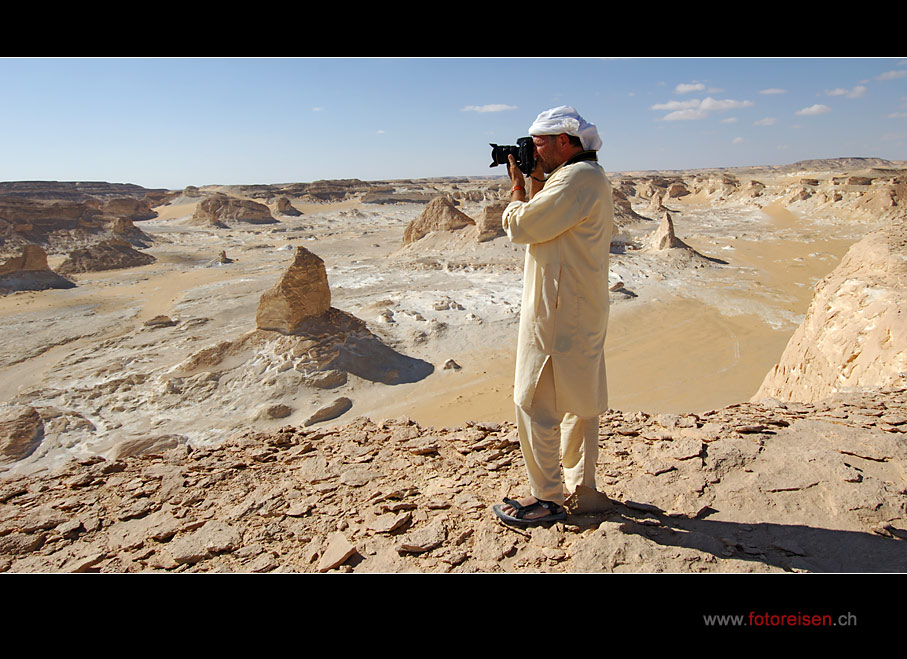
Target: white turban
pixel 565 119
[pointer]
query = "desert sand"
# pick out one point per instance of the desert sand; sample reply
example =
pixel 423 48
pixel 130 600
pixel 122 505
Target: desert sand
pixel 692 331
pixel 723 333
pixel 682 337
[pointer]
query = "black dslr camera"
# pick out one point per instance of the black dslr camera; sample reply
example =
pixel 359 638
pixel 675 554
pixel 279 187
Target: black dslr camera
pixel 523 152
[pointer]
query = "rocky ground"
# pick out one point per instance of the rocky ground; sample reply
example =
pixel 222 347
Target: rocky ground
pixel 752 488
pixel 147 423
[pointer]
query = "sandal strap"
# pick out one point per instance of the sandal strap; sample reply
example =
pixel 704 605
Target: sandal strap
pixel 551 507
pixel 520 510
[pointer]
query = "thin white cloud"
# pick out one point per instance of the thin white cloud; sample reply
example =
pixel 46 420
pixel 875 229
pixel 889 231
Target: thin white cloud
pixel 685 115
pixel 857 92
pixel 773 90
pixel 729 120
pixel 698 109
pixel 379 132
pixel 897 115
pixel 818 108
pixel 710 104
pixel 317 109
pixel 678 105
pixel 891 75
pixel 768 121
pixel 687 87
pixel 491 107
pixel 737 140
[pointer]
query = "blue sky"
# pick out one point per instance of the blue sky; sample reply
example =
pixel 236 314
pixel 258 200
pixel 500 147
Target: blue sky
pixel 175 122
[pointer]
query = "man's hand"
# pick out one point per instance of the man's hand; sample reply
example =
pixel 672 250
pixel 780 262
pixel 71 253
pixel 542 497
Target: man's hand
pixel 517 182
pixel 536 178
pixel 516 176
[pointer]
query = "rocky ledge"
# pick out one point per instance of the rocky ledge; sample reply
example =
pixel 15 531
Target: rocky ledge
pixel 755 487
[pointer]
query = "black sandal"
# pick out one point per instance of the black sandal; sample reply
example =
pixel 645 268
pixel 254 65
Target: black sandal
pixel 556 512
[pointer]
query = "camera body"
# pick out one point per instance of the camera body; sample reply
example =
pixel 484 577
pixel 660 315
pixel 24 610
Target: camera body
pixel 523 152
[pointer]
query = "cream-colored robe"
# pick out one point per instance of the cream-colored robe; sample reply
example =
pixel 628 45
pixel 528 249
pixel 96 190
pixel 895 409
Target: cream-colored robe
pixel 564 315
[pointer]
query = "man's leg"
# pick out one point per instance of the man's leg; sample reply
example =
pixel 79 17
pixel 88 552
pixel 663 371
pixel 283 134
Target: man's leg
pixel 539 429
pixel 579 446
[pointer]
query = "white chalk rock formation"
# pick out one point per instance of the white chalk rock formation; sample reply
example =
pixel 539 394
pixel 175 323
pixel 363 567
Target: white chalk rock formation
pixel 221 210
pixel 123 228
pixel 656 206
pixel 664 236
pixel 854 334
pixel 489 223
pixel 676 190
pixel 30 272
pixel 439 215
pixel 21 430
pixel 111 254
pixel 284 207
pixel 302 292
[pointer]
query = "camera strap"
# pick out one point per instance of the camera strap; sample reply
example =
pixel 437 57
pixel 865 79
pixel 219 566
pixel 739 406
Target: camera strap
pixel 579 157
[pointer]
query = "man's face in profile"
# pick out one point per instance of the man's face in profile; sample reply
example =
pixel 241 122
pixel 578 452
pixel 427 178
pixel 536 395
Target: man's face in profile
pixel 547 152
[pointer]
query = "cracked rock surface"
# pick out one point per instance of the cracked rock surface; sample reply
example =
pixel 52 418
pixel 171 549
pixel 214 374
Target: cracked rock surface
pixel 764 487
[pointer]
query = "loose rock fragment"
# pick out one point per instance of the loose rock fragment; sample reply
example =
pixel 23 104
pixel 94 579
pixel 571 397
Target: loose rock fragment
pixel 339 549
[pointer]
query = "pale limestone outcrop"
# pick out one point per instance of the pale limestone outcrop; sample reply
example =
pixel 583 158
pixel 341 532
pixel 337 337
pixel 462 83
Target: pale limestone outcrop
pixel 33 259
pixel 30 272
pixel 855 331
pixel 107 255
pixel 284 207
pixel 664 237
pixel 489 222
pixel 124 229
pixel 222 210
pixel 21 430
pixel 302 292
pixel 129 208
pixel 439 215
pixel 623 210
pixel 676 190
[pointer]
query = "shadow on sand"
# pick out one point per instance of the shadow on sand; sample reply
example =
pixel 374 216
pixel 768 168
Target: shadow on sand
pixel 370 359
pixel 356 350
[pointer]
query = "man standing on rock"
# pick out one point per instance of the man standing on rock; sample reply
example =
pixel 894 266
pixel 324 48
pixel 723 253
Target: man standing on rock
pixel 560 385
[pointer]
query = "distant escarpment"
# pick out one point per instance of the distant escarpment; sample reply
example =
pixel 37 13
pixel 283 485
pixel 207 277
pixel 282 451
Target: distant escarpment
pixel 847 163
pixel 854 334
pixel 316 191
pixel 816 188
pixel 79 190
pixel 59 226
